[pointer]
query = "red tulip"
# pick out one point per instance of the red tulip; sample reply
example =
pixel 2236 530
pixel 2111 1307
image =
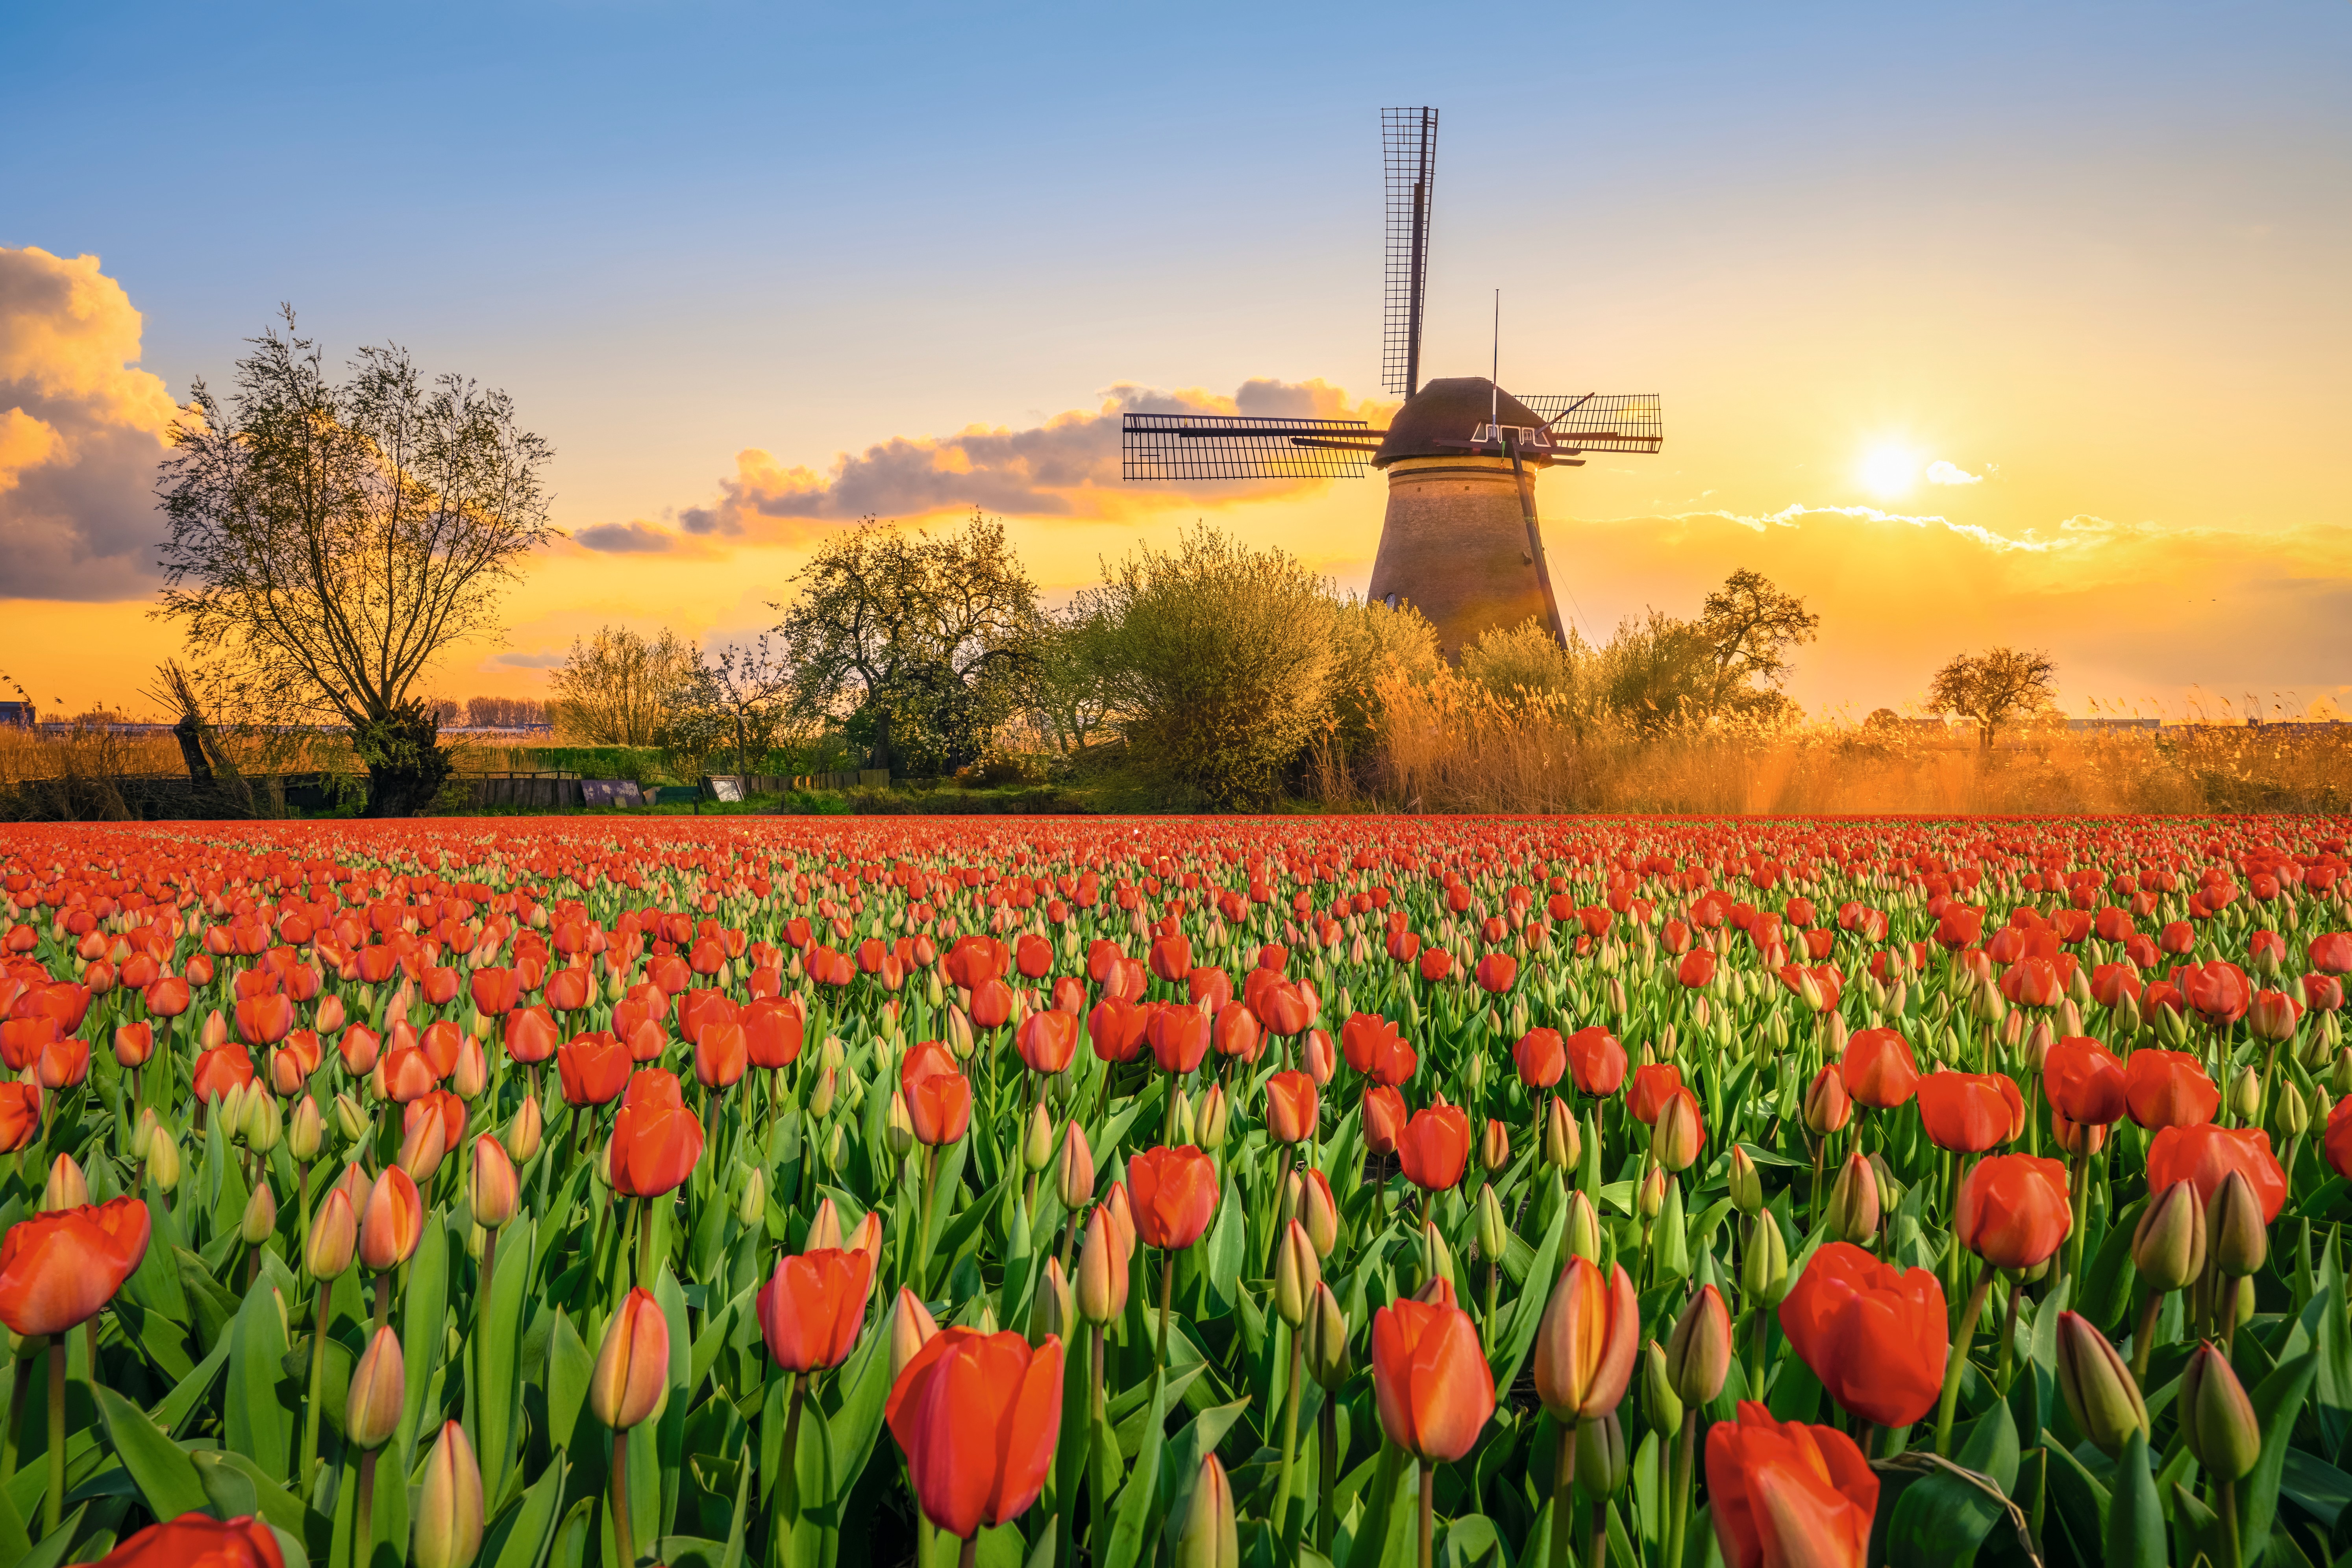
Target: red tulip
pixel 1172 959
pixel 20 1116
pixel 657 1140
pixel 812 1307
pixel 1047 1040
pixel 61 1269
pixel 593 1069
pixel 199 1540
pixel 1595 1060
pixel 391 1221
pixel 977 1417
pixel 2219 990
pixel 1970 1111
pixel 218 1070
pixel 773 1031
pixel 1180 1039
pixel 1585 1346
pixel 1496 971
pixel 1290 1107
pixel 1433 1147
pixel 1384 1119
pixel 1429 1379
pixel 2338 1143
pixel 531 1034
pixel 2169 1088
pixel 1174 1194
pixel 1697 970
pixel 1876 1337
pixel 939 1105
pixel 1236 1032
pixel 1652 1086
pixel 1788 1495
pixel 2014 1210
pixel 1878 1069
pixel 1540 1057
pixel 2205 1155
pixel 2331 953
pixel 721 1056
pixel 2084 1081
pixel 167 998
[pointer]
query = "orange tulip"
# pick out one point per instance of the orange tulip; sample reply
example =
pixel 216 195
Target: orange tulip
pixel 939 1105
pixel 2084 1081
pixel 1596 1060
pixel 1586 1344
pixel 1180 1039
pixel 20 1116
pixel 391 1221
pixel 1384 1119
pixel 1290 1107
pixel 1787 1495
pixel 593 1069
pixel 199 1540
pixel 1175 1195
pixel 61 1269
pixel 1652 1086
pixel 2205 1155
pixel 1540 1058
pixel 530 1033
pixel 2014 1210
pixel 657 1140
pixel 1116 1028
pixel 812 1307
pixel 1875 1336
pixel 1048 1040
pixel 721 1054
pixel 2169 1088
pixel 1430 1380
pixel 977 1417
pixel 1433 1147
pixel 1878 1069
pixel 630 1382
pixel 218 1070
pixel 1970 1111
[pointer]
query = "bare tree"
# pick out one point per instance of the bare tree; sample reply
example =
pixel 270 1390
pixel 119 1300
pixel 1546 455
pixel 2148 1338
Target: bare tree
pixel 611 689
pixel 329 541
pixel 748 684
pixel 1994 688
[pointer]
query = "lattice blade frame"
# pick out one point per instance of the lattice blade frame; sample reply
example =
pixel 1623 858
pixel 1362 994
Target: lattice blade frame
pixel 1409 166
pixel 1240 446
pixel 1600 422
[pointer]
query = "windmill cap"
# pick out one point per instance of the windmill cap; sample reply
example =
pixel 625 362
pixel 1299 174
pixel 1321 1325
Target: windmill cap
pixel 1448 410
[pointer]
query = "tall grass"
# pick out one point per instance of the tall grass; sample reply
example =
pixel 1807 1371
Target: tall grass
pixel 1452 745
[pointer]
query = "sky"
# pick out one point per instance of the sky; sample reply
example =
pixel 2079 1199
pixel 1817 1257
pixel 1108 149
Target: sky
pixel 1973 325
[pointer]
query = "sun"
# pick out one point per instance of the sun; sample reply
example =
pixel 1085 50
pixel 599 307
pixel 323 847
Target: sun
pixel 1887 469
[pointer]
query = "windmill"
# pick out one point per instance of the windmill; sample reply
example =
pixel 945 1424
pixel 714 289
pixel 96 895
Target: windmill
pixel 1460 541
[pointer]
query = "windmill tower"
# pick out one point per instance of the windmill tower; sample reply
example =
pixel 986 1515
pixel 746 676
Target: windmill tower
pixel 1460 541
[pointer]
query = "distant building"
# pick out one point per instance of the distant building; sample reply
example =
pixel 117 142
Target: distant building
pixel 20 715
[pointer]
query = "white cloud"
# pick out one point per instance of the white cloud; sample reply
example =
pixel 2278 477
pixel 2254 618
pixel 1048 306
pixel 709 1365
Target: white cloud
pixel 1940 472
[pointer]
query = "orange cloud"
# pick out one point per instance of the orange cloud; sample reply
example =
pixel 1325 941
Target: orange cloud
pixel 1067 467
pixel 81 431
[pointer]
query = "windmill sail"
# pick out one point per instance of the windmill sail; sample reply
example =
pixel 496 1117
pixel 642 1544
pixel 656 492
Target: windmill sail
pixel 1240 446
pixel 1598 422
pixel 1409 157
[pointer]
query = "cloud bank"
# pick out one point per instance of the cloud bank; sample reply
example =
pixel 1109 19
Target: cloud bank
pixel 1067 467
pixel 81 431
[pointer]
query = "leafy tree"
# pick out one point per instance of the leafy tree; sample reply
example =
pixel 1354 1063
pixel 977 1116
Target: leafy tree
pixel 1749 628
pixel 1659 672
pixel 1372 641
pixel 610 687
pixel 329 541
pixel 749 684
pixel 1998 686
pixel 1065 699
pixel 1526 662
pixel 1220 659
pixel 922 645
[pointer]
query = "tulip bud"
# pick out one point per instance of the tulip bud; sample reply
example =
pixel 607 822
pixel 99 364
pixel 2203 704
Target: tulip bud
pixel 1659 1401
pixel 960 1038
pixel 898 1126
pixel 1437 1257
pixel 162 1160
pixel 1698 1352
pixel 1601 1462
pixel 1208 1539
pixel 1318 1214
pixel 2246 1094
pixel 306 1130
pixel 492 1188
pixel 421 1151
pixel 1074 1169
pixel 825 1228
pixel 2217 1420
pixel 67 1188
pixel 1037 1141
pixel 143 1130
pixel 1185 1120
pixel 1052 1309
pixel 334 1237
pixel 2234 1234
pixel 2290 1117
pixel 1651 1198
pixel 1747 1182
pixel 1583 1229
pixel 1326 1333
pixel 1853 1213
pixel 379 1388
pixel 1828 1107
pixel 1494 1229
pixel 228 1109
pixel 1298 1269
pixel 1102 1275
pixel 911 1328
pixel 631 1382
pixel 1563 1139
pixel 1764 1264
pixel 351 1119
pixel 260 1218
pixel 449 1507
pixel 213 1032
pixel 262 1123
pixel 2099 1390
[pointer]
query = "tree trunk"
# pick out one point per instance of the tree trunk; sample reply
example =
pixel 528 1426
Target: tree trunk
pixel 405 761
pixel 189 732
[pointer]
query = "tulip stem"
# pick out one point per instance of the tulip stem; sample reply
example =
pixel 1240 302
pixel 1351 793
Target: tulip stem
pixel 2008 1337
pixel 363 1514
pixel 788 1468
pixel 624 1545
pixel 1678 1513
pixel 2144 1336
pixel 53 1507
pixel 1282 1518
pixel 923 1237
pixel 1563 1485
pixel 645 1242
pixel 1958 1360
pixel 971 1553
pixel 1428 1512
pixel 1326 1464
pixel 317 1389
pixel 1167 1299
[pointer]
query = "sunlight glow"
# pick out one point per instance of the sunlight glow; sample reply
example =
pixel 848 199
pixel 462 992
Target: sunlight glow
pixel 1888 469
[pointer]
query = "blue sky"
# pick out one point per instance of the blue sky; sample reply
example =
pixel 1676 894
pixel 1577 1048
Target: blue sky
pixel 2099 248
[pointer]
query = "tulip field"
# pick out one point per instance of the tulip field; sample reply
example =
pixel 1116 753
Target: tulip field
pixel 1348 1191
